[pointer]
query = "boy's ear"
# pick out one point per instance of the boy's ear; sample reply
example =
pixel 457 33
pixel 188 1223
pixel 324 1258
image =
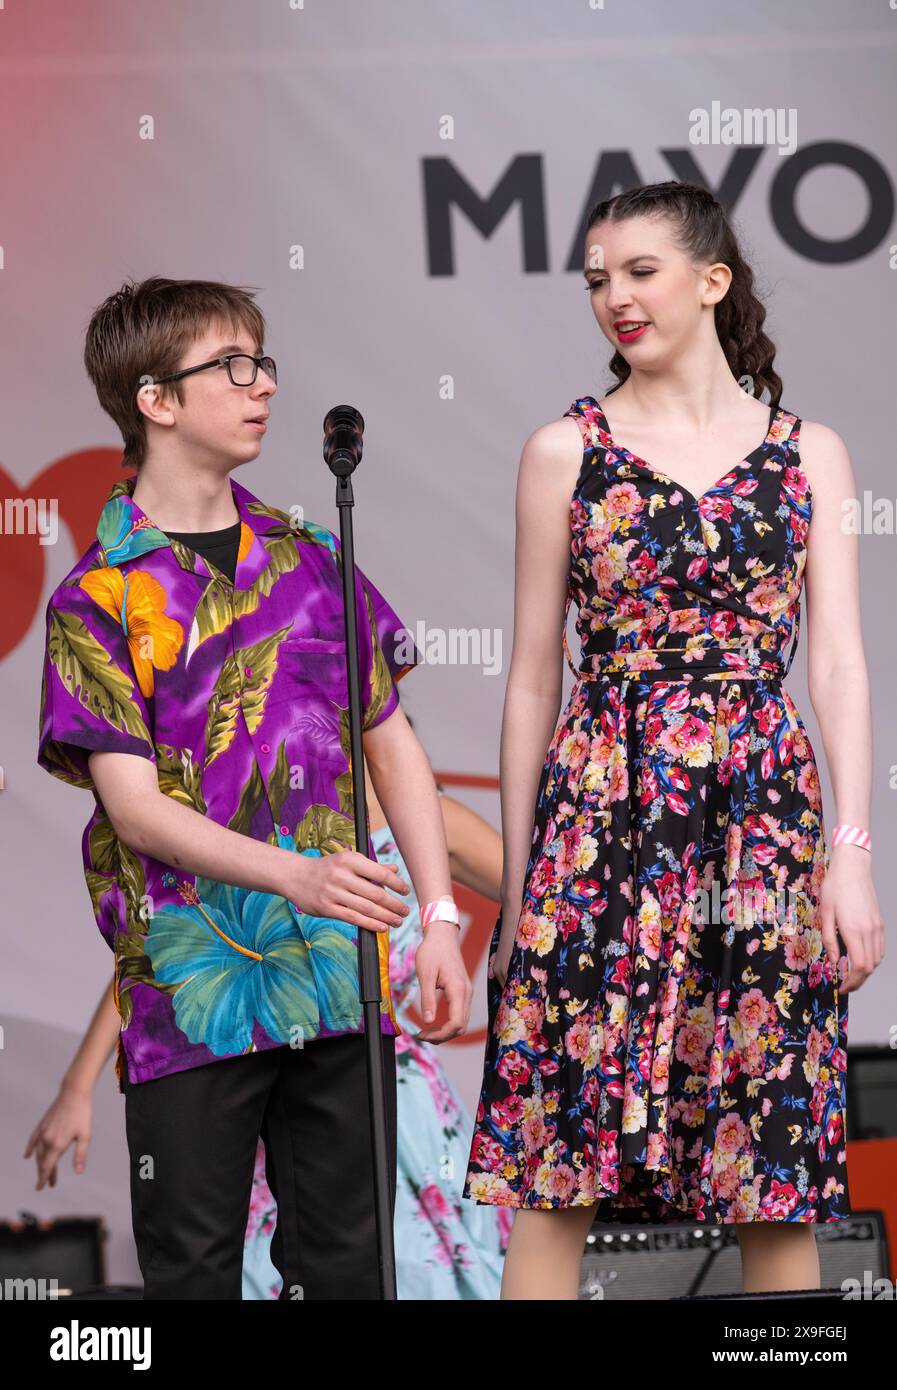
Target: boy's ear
pixel 152 402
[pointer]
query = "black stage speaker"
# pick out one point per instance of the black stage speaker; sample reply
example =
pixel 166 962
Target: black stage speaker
pixel 108 1293
pixel 48 1259
pixel 692 1260
pixel 871 1093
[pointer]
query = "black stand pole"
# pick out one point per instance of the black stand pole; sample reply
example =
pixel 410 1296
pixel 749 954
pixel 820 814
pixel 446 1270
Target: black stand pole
pixel 343 428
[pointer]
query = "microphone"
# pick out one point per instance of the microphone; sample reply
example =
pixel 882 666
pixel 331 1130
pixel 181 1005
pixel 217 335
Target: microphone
pixel 343 440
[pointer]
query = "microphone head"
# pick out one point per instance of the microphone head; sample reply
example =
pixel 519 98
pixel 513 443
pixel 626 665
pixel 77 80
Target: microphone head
pixel 343 415
pixel 343 439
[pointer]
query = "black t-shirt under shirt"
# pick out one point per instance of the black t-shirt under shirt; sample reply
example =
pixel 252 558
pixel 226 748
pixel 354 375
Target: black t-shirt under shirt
pixel 221 547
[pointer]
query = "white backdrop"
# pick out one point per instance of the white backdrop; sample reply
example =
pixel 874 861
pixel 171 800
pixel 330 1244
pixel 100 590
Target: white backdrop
pixel 405 183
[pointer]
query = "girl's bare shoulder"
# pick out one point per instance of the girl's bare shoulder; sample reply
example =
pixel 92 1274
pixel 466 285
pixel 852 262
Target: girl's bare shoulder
pixel 825 460
pixel 552 457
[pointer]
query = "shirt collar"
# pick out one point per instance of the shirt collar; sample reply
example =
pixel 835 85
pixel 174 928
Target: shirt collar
pixel 125 532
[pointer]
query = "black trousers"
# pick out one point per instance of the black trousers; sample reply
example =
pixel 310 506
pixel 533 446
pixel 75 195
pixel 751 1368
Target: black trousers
pixel 192 1139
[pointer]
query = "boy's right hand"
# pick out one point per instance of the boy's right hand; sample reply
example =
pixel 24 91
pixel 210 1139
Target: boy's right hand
pixel 68 1119
pixel 350 887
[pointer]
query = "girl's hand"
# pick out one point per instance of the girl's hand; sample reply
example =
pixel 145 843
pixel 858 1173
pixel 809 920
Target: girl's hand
pixel 848 903
pixel 500 960
pixel 68 1119
pixel 497 968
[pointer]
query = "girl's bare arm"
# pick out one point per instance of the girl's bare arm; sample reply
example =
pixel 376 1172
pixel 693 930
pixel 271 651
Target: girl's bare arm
pixel 549 466
pixel 838 684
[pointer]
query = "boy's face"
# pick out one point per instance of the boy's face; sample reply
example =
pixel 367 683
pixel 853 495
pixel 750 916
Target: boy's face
pixel 213 423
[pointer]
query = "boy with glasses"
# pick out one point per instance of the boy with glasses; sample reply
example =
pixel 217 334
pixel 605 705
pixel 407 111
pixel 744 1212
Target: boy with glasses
pixel 195 681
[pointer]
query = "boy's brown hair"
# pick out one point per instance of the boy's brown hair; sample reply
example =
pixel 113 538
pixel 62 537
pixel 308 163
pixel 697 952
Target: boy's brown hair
pixel 143 331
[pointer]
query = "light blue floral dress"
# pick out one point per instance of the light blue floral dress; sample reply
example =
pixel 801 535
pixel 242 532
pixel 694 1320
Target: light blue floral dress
pixel 445 1248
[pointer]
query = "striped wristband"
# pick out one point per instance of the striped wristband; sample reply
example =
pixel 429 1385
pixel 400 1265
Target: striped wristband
pixel 444 909
pixel 852 835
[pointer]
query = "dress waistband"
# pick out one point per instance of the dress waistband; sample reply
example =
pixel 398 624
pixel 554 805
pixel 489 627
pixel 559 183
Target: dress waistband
pixel 708 662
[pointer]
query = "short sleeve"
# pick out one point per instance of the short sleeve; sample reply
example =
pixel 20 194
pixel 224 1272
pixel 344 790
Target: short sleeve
pixel 386 649
pixel 387 652
pixel 90 698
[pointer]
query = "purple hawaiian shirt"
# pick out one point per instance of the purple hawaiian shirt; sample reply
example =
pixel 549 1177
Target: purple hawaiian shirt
pixel 238 693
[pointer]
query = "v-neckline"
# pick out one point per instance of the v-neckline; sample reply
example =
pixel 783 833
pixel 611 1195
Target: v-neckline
pixel 774 412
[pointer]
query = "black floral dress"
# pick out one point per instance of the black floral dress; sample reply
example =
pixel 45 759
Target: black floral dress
pixel 670 1043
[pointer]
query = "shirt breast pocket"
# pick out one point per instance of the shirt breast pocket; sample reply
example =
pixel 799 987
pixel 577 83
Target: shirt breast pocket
pixel 308 661
pixel 307 699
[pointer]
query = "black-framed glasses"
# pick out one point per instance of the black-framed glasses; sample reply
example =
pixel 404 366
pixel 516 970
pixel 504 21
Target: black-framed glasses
pixel 242 369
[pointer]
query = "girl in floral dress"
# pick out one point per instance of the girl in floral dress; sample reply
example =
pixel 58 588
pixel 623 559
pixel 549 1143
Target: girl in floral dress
pixel 669 971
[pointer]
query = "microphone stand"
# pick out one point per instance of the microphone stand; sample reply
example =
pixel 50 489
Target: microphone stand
pixel 343 429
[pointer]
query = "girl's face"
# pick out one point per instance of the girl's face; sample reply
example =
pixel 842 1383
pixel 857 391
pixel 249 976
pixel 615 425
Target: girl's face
pixel 645 293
